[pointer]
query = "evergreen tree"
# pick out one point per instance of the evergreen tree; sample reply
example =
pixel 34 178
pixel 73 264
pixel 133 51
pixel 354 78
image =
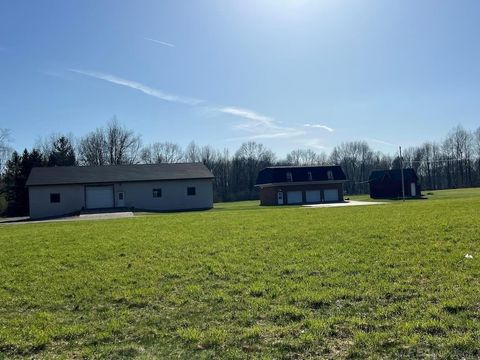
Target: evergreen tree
pixel 16 174
pixel 62 153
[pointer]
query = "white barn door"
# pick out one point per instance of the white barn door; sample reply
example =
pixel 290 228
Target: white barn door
pixel 294 197
pixel 330 195
pixel 312 196
pixel 99 197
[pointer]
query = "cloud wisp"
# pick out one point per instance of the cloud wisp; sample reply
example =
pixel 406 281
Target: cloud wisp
pixel 259 126
pixel 254 125
pixel 159 94
pixel 381 142
pixel 247 114
pixel 164 43
pixel 319 126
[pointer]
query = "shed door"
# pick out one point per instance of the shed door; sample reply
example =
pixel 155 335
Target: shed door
pixel 330 195
pixel 294 197
pixel 312 196
pixel 413 189
pixel 98 197
pixel 280 198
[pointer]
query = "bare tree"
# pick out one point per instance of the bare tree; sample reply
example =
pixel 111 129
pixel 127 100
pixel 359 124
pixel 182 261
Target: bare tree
pixel 92 148
pixel 256 152
pixel 57 149
pixel 356 159
pixel 162 152
pixel 476 141
pixel 249 159
pixel 5 148
pixel 113 145
pixel 46 145
pixel 301 157
pixel 208 156
pixel 123 145
pixel 192 152
pixel 222 171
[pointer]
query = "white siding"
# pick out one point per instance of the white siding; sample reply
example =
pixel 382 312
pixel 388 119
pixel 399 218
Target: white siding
pixel 174 195
pixel 72 199
pixel 137 195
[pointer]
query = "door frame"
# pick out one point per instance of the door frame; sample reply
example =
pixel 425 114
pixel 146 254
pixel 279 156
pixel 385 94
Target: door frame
pixel 280 196
pixel 413 189
pixel 118 200
pixel 331 189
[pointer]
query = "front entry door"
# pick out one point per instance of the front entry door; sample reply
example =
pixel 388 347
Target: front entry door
pixel 413 189
pixel 121 199
pixel 280 198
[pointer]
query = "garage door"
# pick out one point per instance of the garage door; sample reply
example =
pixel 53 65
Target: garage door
pixel 99 197
pixel 294 197
pixel 330 195
pixel 312 196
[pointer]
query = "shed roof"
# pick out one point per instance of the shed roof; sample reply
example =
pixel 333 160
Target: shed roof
pixel 278 174
pixel 395 175
pixel 64 175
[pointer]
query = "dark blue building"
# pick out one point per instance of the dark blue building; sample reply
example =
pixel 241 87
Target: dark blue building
pixel 387 184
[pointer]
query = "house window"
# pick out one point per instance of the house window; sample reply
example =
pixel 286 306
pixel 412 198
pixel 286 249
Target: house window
pixel 289 176
pixel 157 193
pixel 310 177
pixel 191 191
pixel 330 174
pixel 54 198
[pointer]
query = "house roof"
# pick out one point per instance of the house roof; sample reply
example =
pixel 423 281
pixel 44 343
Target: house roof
pixel 278 174
pixel 395 175
pixel 63 175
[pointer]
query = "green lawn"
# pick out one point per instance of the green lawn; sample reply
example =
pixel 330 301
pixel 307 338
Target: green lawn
pixel 243 281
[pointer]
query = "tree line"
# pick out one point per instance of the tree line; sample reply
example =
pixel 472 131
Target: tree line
pixel 451 163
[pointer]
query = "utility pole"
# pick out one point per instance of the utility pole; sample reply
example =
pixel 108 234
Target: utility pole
pixel 401 170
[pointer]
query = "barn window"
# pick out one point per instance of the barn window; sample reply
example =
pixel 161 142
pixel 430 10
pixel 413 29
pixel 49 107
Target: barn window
pixel 191 191
pixel 330 174
pixel 157 193
pixel 289 176
pixel 55 198
pixel 310 177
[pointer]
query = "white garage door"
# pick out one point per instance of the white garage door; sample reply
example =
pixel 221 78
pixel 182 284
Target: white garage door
pixel 294 197
pixel 330 195
pixel 99 197
pixel 312 196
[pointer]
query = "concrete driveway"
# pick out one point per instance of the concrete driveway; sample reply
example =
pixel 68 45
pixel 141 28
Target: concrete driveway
pixel 345 203
pixel 13 219
pixel 99 216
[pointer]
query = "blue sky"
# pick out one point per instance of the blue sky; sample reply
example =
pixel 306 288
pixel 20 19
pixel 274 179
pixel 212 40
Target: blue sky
pixel 290 74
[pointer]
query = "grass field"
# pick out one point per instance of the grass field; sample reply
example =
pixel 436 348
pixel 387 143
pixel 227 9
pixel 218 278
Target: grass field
pixel 242 281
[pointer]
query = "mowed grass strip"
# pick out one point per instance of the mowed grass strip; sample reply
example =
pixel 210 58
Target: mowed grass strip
pixel 248 282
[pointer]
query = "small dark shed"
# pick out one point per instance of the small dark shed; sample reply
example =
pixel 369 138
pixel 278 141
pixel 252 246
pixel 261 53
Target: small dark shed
pixel 387 184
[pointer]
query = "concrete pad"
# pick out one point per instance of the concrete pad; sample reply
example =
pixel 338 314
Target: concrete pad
pixel 345 203
pixel 14 219
pixel 100 216
pixel 112 215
